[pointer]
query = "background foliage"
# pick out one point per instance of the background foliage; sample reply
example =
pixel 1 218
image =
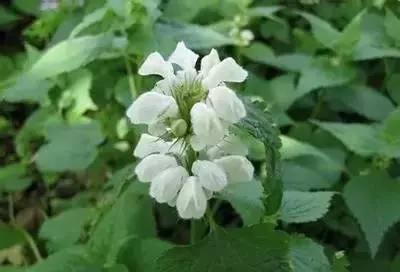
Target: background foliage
pixel 328 73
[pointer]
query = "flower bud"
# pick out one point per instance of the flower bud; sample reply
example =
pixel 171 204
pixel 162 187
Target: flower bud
pixel 179 127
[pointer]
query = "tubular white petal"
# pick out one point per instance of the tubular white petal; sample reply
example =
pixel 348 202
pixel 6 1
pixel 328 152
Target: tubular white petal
pixel 210 175
pixel 164 86
pixel 150 106
pixel 183 56
pixel 206 124
pixel 237 168
pixel 152 165
pixel 148 145
pixel 192 201
pixel 230 145
pixel 157 128
pixel 166 185
pixel 196 143
pixel 225 71
pixel 156 65
pixel 208 62
pixel 226 104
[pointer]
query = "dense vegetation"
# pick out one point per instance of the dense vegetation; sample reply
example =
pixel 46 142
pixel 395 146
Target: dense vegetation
pixel 325 73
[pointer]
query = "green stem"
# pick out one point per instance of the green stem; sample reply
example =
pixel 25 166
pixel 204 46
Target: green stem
pixel 32 245
pixel 210 218
pixel 11 213
pixel 193 232
pixel 130 75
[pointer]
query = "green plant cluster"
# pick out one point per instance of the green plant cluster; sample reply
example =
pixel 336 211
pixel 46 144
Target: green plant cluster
pixel 323 130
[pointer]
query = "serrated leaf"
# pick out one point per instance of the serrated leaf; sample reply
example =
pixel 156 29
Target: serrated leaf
pixel 373 199
pixel 256 248
pixel 301 207
pixel 246 199
pixel 69 55
pixel 365 140
pixel 322 73
pixel 10 236
pixel 70 147
pixel 129 217
pixel 363 100
pixel 57 235
pixel 307 256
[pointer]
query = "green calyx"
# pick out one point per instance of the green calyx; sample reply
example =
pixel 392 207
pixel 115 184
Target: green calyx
pixel 179 128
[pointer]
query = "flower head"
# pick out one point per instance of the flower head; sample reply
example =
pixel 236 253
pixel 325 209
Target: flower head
pixel 190 153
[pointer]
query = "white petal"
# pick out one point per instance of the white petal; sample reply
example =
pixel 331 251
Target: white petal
pixel 192 201
pixel 230 145
pixel 196 143
pixel 152 165
pixel 225 71
pixel 150 106
pixel 149 144
pixel 226 104
pixel 157 128
pixel 164 86
pixel 210 175
pixel 206 124
pixel 208 62
pixel 183 56
pixel 237 168
pixel 177 147
pixel 156 65
pixel 166 185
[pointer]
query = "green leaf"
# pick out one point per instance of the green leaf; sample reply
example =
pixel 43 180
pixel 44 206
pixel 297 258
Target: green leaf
pixel 301 207
pixel 246 199
pixel 57 235
pixel 130 217
pixel 322 73
pixel 69 260
pixel 365 140
pixel 350 36
pixel 69 55
pixel 194 36
pixel 7 16
pixel 307 256
pixel 363 100
pixel 28 6
pixel 392 25
pixel 27 90
pixel 10 236
pixel 186 10
pixel 13 179
pixel 374 200
pixel 256 248
pixel 70 147
pixel 89 20
pixel 340 262
pixel 393 86
pixel 263 11
pixel 391 127
pixel 140 255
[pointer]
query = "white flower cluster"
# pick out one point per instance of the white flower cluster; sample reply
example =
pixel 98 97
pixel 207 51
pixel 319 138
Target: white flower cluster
pixel 189 152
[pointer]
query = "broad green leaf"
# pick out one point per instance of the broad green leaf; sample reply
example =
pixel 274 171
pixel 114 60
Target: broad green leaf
pixel 300 178
pixel 246 199
pixel 57 235
pixel 10 236
pixel 393 87
pixel 363 100
pixel 323 31
pixel 307 256
pixel 78 94
pixel 392 26
pixel 322 73
pixel 28 6
pixel 69 260
pixel 27 90
pixel 129 217
pixel 69 55
pixel 194 36
pixel 90 19
pixel 350 36
pixel 373 199
pixel 186 10
pixel 256 248
pixel 362 139
pixel 13 179
pixel 391 129
pixel 263 11
pixel 301 207
pixel 70 147
pixel 140 255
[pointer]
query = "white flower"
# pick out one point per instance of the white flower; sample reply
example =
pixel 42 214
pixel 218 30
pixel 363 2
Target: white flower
pixel 225 71
pixel 226 104
pixel 156 65
pixel 183 56
pixel 230 145
pixel 210 175
pixel 153 165
pixel 237 168
pixel 192 200
pixel 206 125
pixel 149 144
pixel 166 185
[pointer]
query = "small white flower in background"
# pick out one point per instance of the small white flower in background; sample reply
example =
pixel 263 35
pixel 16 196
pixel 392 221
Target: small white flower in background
pixel 189 152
